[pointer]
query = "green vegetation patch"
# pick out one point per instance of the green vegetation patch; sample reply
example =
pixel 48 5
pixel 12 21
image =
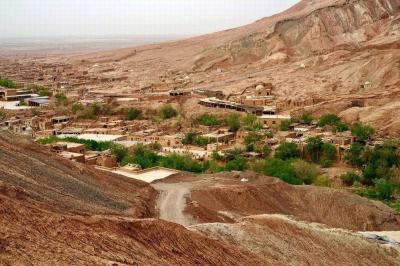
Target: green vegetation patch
pixel 207 120
pixel 6 83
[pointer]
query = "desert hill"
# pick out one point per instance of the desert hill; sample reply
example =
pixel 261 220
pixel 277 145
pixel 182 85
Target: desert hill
pixel 338 56
pixel 43 221
pixel 30 172
pixel 267 195
pixel 321 56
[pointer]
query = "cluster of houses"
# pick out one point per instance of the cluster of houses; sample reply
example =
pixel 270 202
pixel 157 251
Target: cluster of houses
pixel 77 152
pixel 27 97
pixel 257 99
pixel 58 76
pixel 131 133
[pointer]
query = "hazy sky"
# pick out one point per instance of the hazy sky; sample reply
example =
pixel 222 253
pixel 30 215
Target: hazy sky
pixel 42 18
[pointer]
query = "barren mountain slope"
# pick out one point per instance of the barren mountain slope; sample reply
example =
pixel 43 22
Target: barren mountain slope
pixel 30 234
pixel 225 194
pixel 274 236
pixel 67 186
pixel 319 29
pixel 318 54
pixel 308 28
pixel 54 212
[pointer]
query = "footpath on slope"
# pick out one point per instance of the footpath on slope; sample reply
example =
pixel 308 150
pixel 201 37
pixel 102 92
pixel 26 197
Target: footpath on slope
pixel 172 202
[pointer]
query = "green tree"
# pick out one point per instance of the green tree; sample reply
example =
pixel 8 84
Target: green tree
pixel 306 118
pixel 252 138
pixel 341 127
pixel 250 123
pixel 362 132
pixel 384 190
pixel 180 162
pixel 349 178
pixel 378 163
pixel 189 138
pixel 133 114
pixel 77 107
pixel 143 157
pixel 266 151
pixel 42 91
pixel 7 83
pixel 119 151
pixel 233 153
pixel 192 138
pixel 328 119
pixel 201 141
pixel 355 154
pixel 167 112
pixel 233 122
pixel 213 167
pixel 314 148
pixel 283 170
pixel 249 120
pixel 61 99
pixel 2 113
pixel 305 171
pixel 287 150
pixel 216 156
pixel 208 120
pixel 237 164
pixel 328 155
pixel 285 125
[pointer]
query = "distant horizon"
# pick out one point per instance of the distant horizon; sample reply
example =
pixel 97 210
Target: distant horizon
pixel 30 19
pixel 76 44
pixel 105 37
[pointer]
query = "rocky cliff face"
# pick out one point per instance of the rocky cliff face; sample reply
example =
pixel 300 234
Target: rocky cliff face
pixel 314 29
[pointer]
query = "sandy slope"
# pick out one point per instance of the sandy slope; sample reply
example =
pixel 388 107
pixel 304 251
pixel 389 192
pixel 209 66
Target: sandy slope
pixel 172 202
pixel 298 243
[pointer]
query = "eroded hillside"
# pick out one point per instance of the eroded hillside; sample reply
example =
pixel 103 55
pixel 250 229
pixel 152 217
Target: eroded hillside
pixel 28 171
pixel 45 221
pixel 320 29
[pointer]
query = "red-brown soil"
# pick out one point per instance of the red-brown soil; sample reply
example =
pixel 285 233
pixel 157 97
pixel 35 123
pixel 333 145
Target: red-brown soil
pixel 297 243
pixel 70 187
pixel 56 212
pixel 31 235
pixel 266 195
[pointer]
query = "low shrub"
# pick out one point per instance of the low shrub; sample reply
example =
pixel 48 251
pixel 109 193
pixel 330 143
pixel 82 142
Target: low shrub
pixel 350 178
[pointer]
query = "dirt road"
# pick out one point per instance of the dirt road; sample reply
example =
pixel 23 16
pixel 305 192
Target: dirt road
pixel 172 202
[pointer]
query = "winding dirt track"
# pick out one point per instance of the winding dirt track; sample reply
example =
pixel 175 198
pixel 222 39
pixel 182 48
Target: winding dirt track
pixel 172 202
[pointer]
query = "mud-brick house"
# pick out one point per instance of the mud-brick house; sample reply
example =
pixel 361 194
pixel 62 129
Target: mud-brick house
pixel 107 161
pixel 272 120
pixel 68 146
pixel 60 119
pixel 220 136
pixel 174 140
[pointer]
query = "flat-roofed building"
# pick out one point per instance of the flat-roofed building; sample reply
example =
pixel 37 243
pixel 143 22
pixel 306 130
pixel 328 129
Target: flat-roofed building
pixel 68 146
pixel 60 119
pixel 220 136
pixel 176 93
pixel 272 120
pixel 70 131
pixel 15 94
pixel 39 102
pixel 257 100
pixel 171 140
